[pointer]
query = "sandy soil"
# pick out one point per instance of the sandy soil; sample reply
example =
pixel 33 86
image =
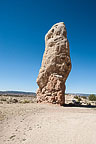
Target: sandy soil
pixel 46 124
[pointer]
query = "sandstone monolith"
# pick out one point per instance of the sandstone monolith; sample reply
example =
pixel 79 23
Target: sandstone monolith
pixel 56 66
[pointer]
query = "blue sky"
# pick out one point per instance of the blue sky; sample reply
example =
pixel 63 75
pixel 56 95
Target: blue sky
pixel 23 25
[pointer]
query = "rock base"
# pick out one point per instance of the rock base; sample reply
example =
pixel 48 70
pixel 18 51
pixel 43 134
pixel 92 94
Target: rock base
pixel 53 92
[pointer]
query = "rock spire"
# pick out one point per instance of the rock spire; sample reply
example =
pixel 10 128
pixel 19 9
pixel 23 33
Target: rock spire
pixel 56 66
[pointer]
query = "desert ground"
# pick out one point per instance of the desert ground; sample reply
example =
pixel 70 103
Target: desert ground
pixel 34 123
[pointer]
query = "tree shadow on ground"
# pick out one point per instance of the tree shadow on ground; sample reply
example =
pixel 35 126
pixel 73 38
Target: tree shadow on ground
pixel 81 106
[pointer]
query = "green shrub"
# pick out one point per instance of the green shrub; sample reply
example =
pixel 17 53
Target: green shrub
pixel 26 101
pixel 84 97
pixel 92 97
pixel 76 97
pixel 88 104
pixel 79 99
pixel 3 99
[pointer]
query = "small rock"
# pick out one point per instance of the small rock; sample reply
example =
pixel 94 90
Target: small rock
pixel 11 137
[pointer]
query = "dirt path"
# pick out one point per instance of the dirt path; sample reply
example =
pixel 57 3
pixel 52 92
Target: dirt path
pixel 46 124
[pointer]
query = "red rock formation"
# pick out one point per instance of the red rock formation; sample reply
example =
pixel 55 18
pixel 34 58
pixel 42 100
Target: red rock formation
pixel 56 65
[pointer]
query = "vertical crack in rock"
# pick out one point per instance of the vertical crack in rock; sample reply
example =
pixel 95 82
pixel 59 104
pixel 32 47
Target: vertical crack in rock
pixel 56 66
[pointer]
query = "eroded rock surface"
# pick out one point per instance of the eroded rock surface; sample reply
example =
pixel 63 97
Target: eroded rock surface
pixel 56 65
